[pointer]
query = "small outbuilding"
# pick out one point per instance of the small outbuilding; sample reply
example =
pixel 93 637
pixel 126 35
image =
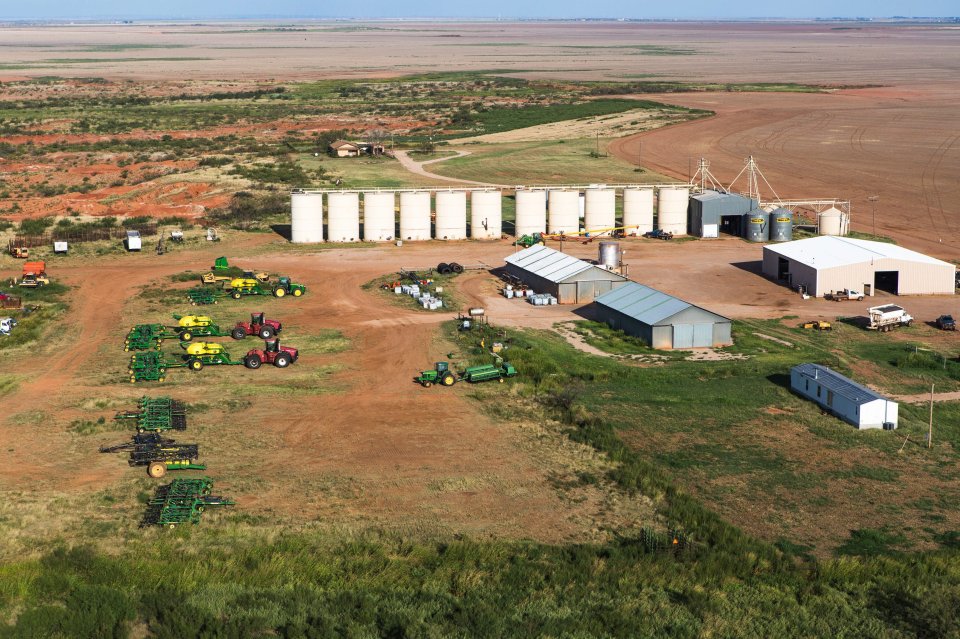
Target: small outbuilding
pixel 711 212
pixel 570 280
pixel 827 263
pixel 344 149
pixel 843 397
pixel 661 320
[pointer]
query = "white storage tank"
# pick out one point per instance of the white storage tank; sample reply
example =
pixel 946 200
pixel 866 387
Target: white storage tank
pixel 379 216
pixel 531 212
pixel 564 212
pixel 415 215
pixel 600 209
pixel 672 210
pixel 833 221
pixel 486 215
pixel 343 217
pixel 637 211
pixel 306 217
pixel 451 215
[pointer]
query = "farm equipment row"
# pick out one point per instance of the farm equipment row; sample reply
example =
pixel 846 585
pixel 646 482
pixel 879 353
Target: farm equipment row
pixel 151 366
pixel 147 336
pixel 238 287
pixel 182 501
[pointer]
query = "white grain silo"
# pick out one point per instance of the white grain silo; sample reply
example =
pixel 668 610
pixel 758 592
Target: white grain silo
pixel 379 216
pixel 564 211
pixel 486 215
pixel 415 215
pixel 451 221
pixel 833 221
pixel 600 209
pixel 531 212
pixel 672 209
pixel 306 217
pixel 637 211
pixel 343 217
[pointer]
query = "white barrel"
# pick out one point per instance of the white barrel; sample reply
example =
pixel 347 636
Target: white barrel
pixel 379 222
pixel 600 209
pixel 564 212
pixel 486 215
pixel 832 222
pixel 531 212
pixel 672 210
pixel 451 215
pixel 637 211
pixel 306 217
pixel 343 217
pixel 415 215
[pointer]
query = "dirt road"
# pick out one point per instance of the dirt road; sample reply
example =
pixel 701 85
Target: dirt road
pixel 417 168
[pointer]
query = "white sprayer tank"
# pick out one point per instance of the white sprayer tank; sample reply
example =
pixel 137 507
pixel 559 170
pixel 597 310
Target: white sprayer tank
pixel 486 215
pixel 451 215
pixel 343 217
pixel 564 212
pixel 415 215
pixel 672 210
pixel 637 211
pixel 600 209
pixel 306 218
pixel 531 212
pixel 379 222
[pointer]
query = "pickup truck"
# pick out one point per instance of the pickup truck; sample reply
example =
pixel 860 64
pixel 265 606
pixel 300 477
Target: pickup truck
pixel 846 295
pixel 946 323
pixel 658 234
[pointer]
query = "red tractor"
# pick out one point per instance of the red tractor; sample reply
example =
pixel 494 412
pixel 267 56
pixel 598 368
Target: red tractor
pixel 258 326
pixel 272 353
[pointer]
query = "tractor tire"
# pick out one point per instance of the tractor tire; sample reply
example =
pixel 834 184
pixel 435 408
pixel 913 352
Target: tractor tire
pixel 297 292
pixel 252 362
pixel 235 295
pixel 186 336
pixel 280 292
pixel 456 267
pixel 266 332
pixel 282 360
pixel 426 384
pixel 448 380
pixel 442 268
pixel 238 333
pixel 195 365
pixel 157 470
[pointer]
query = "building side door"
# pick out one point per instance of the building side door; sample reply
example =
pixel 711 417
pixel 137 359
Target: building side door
pixel 683 335
pixel 703 335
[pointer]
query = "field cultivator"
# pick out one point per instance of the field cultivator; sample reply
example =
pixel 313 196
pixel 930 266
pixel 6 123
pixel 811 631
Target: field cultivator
pixel 157 414
pixel 151 366
pixel 182 501
pixel 204 295
pixel 158 454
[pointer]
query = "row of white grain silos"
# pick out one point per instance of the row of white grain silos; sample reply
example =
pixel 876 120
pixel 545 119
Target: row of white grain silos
pixel 538 210
pixel 378 208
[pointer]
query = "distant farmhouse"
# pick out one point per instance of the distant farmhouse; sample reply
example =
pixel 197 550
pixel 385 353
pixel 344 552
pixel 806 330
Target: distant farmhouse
pixel 344 149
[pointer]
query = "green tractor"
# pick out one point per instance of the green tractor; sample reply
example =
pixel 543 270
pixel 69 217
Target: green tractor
pixel 526 241
pixel 440 374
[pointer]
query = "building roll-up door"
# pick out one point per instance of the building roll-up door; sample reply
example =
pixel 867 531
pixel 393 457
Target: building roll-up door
pixel 682 335
pixel 585 292
pixel 703 335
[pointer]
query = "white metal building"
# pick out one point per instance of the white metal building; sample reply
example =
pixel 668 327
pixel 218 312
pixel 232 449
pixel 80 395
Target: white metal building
pixel 824 264
pixel 570 280
pixel 843 397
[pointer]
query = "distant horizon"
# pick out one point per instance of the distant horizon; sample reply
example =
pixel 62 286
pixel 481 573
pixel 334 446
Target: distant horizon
pixel 428 18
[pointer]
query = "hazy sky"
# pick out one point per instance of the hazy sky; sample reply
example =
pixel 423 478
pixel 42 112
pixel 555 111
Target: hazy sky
pixel 194 9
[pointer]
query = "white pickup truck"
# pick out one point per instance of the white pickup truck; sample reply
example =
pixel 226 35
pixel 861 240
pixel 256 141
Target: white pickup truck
pixel 845 295
pixel 888 317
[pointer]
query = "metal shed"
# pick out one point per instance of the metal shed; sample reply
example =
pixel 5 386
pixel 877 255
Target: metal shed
pixel 661 320
pixel 570 280
pixel 825 264
pixel 843 397
pixel 713 211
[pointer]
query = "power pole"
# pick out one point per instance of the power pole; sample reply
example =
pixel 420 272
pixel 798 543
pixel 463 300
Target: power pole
pixel 873 201
pixel 930 425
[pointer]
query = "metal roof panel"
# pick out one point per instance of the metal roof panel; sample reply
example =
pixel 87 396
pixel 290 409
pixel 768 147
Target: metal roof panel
pixel 839 384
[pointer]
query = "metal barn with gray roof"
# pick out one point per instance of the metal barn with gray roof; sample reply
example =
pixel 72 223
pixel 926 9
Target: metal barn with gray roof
pixel 661 320
pixel 827 263
pixel 843 397
pixel 570 280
